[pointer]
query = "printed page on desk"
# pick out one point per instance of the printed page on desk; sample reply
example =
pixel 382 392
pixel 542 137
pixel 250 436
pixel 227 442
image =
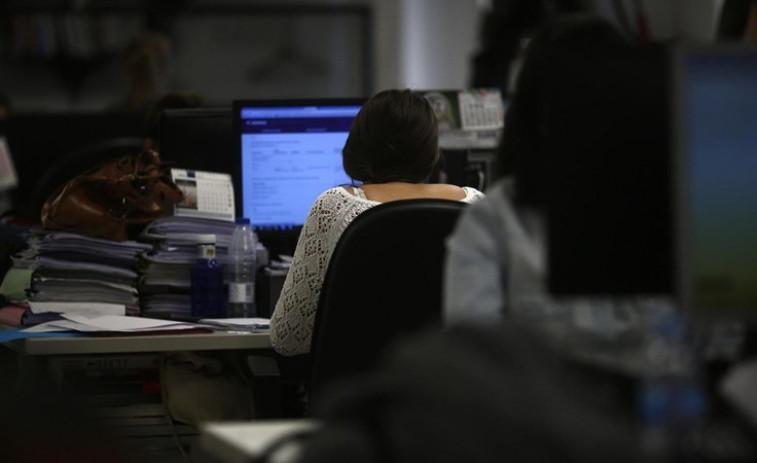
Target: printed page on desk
pixel 110 323
pixel 238 324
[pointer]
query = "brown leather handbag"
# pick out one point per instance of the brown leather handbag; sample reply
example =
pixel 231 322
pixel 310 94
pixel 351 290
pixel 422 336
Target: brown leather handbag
pixel 115 201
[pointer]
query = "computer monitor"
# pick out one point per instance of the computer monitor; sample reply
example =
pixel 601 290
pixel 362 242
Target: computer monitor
pixel 289 152
pixel 608 174
pixel 199 139
pixel 715 119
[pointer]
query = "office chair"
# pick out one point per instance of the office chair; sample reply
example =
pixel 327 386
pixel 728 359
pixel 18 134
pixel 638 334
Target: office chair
pixel 384 281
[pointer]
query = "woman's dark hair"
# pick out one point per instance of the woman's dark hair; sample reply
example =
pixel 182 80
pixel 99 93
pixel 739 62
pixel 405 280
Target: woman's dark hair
pixel 734 16
pixel 394 138
pixel 503 27
pixel 5 102
pixel 522 153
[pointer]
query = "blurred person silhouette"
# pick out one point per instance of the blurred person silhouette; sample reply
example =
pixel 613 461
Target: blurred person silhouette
pixel 147 68
pixel 8 175
pixel 471 393
pixel 497 255
pixel 503 32
pixel 10 241
pixel 391 150
pixel 8 360
pixel 5 109
pixel 737 21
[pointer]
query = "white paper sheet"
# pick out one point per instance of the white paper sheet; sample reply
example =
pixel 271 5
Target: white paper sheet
pixel 109 323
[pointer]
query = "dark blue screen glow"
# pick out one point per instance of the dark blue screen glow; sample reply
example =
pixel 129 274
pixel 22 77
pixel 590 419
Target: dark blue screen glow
pixel 720 171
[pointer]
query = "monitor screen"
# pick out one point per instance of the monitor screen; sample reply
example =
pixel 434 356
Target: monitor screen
pixel 716 146
pixel 289 152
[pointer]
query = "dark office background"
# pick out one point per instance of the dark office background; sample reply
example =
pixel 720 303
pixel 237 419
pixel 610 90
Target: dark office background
pixel 63 54
pixel 57 55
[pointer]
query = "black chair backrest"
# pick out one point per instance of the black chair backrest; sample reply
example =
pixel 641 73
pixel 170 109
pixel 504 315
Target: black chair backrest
pixel 384 280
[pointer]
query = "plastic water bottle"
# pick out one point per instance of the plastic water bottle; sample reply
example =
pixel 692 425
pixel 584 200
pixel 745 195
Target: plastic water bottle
pixel 671 394
pixel 240 270
pixel 207 281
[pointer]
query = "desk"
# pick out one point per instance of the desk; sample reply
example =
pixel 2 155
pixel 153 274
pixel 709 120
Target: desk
pixel 36 351
pixel 78 365
pixel 240 442
pixel 217 340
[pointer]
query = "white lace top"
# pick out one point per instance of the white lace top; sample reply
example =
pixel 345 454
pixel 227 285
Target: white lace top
pixel 294 315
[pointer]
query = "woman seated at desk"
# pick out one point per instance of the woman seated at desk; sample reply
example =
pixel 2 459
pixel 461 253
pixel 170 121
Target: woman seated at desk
pixel 391 150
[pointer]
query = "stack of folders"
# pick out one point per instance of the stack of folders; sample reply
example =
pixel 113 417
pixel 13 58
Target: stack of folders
pixel 76 273
pixel 165 283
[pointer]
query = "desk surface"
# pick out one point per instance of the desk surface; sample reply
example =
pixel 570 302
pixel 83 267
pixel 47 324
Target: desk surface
pixel 241 441
pixel 217 340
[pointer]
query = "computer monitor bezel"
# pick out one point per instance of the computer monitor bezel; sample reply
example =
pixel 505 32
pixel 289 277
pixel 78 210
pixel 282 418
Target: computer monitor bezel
pixel 288 236
pixel 683 259
pixel 171 115
pixel 183 123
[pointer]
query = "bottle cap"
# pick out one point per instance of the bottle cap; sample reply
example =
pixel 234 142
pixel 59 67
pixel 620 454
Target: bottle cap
pixel 208 238
pixel 243 221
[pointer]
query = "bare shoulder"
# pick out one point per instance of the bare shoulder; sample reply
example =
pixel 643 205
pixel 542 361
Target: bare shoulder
pixel 447 191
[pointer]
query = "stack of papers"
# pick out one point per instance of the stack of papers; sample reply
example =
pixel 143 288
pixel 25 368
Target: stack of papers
pixel 89 309
pixel 109 323
pixel 71 269
pixel 177 227
pixel 165 283
pixel 238 324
